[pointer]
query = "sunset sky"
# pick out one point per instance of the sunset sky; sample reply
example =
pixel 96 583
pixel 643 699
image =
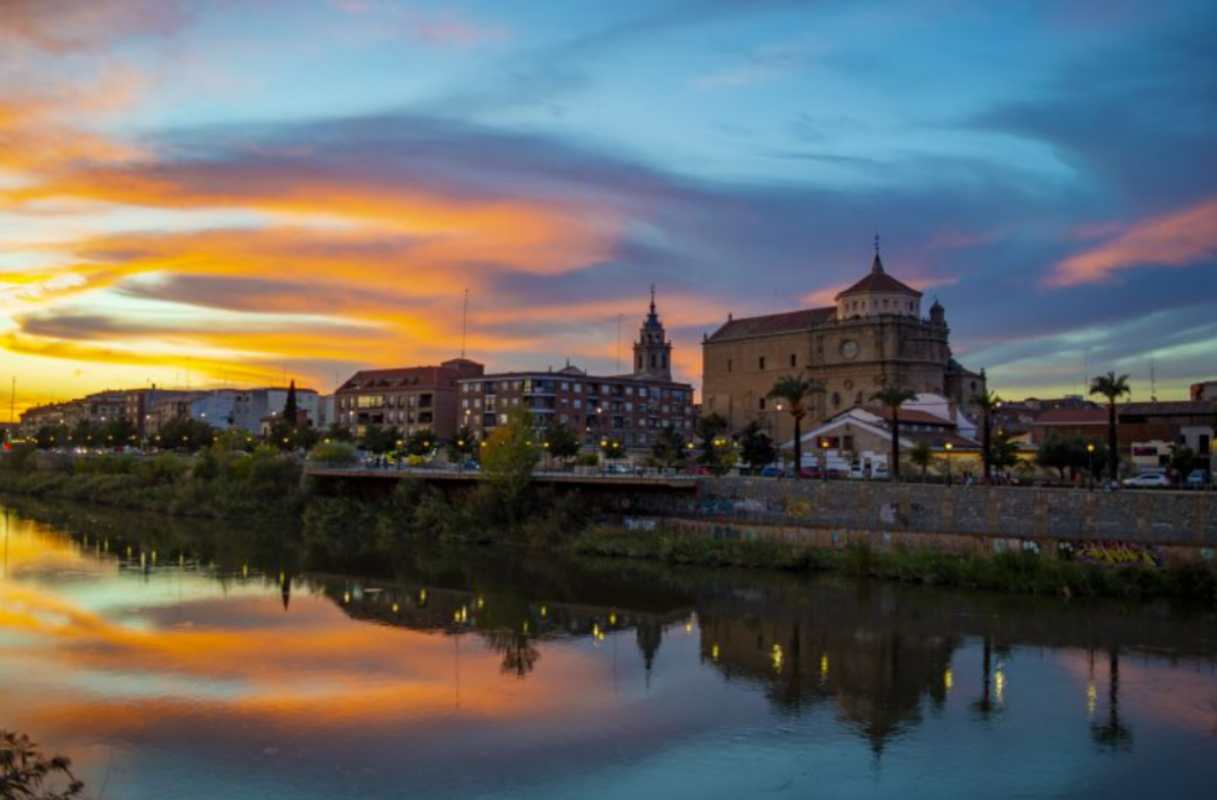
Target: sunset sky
pixel 239 192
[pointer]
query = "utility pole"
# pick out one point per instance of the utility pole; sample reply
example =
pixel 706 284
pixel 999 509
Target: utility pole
pixel 12 401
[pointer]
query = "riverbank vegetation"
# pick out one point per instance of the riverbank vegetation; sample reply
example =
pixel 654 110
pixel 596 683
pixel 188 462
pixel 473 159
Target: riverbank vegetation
pixel 1021 573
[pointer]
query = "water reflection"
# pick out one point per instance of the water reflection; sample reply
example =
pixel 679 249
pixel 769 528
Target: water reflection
pixel 158 653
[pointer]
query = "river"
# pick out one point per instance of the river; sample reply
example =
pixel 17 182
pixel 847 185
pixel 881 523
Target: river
pixel 189 660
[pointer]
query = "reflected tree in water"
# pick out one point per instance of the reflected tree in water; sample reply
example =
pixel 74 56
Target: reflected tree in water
pixel 1113 734
pixel 985 706
pixel 649 635
pixel 519 655
pixel 27 774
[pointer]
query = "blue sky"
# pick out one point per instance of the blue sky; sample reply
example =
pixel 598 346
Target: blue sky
pixel 230 191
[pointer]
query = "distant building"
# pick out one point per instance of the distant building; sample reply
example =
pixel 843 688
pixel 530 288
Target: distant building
pixel 631 409
pixel 1088 424
pixel 250 406
pixel 873 337
pixel 407 398
pixel 863 435
pixel 1207 390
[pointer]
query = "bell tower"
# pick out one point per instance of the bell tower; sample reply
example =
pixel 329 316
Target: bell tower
pixel 652 351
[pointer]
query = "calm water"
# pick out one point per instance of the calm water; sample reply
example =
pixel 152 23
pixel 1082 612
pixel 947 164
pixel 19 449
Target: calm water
pixel 174 661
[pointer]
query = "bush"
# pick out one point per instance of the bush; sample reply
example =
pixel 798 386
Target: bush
pixel 334 454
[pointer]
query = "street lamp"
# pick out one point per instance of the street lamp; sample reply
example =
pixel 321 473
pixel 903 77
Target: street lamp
pixel 1090 464
pixel 824 464
pixel 948 447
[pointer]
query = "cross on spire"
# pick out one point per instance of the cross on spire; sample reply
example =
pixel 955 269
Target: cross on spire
pixel 652 298
pixel 876 264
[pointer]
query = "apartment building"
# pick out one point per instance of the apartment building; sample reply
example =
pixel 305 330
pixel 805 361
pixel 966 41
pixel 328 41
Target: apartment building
pixel 408 398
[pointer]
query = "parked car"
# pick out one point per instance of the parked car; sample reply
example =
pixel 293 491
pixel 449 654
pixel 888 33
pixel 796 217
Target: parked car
pixel 1197 479
pixel 773 471
pixel 1148 480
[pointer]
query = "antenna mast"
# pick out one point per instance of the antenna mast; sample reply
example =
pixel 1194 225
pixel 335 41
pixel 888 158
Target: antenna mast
pixel 619 318
pixel 464 322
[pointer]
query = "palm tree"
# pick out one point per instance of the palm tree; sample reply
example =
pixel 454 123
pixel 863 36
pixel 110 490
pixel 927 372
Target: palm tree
pixel 987 403
pixel 1112 388
pixel 893 397
pixel 794 391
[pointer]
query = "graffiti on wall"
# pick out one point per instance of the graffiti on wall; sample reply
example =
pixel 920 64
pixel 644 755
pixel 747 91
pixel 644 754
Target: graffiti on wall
pixel 1111 553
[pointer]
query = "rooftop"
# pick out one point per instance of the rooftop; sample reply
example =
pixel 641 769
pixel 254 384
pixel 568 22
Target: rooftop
pixel 879 281
pixel 770 324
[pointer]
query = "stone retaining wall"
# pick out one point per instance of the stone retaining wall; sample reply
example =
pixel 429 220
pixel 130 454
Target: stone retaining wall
pixel 1186 519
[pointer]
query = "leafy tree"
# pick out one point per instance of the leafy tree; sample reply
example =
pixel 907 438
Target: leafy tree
pixel 49 436
pixel 463 446
pixel 1183 460
pixel 186 434
pixel 987 403
pixel 420 443
pixel 612 448
pixel 120 432
pixel 380 440
pixel 291 411
pixel 1113 388
pixel 1054 453
pixel 921 455
pixel 670 449
pixel 710 430
pixel 893 397
pixel 334 454
pixel 509 458
pixel 338 433
pixel 756 447
pixel 563 442
pixel 794 392
pixel 86 434
pixel 283 435
pixel 27 774
pixel 234 440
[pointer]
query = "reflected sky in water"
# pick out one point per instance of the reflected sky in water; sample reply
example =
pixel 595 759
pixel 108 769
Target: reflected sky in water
pixel 172 662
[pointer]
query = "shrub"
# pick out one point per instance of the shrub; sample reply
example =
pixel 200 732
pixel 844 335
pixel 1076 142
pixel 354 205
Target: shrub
pixel 334 454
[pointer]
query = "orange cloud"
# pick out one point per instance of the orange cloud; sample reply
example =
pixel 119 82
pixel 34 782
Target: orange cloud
pixel 1177 239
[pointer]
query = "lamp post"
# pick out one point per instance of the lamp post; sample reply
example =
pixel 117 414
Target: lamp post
pixel 1090 464
pixel 824 460
pixel 948 447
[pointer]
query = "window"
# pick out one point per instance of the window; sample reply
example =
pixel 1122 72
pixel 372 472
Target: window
pixel 761 362
pixel 762 404
pixel 794 359
pixel 728 365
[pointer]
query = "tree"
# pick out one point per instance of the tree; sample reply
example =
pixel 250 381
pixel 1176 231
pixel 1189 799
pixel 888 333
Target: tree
pixel 611 448
pixel 291 412
pixel 1003 451
pixel 987 403
pixel 1054 453
pixel 669 449
pixel 893 397
pixel 562 442
pixel 710 430
pixel 420 443
pixel 1183 459
pixel 463 446
pixel 794 391
pixel 49 436
pixel 339 433
pixel 509 458
pixel 379 440
pixel 120 432
pixel 921 455
pixel 26 774
pixel 1113 388
pixel 186 434
pixel 756 447
pixel 284 435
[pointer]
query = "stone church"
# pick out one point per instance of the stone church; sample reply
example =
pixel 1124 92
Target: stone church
pixel 874 336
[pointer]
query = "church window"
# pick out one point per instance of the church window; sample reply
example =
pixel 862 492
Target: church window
pixel 664 360
pixel 652 360
pixel 761 361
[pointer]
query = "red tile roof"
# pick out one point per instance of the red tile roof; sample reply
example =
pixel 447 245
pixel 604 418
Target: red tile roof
pixel 913 416
pixel 879 281
pixel 787 322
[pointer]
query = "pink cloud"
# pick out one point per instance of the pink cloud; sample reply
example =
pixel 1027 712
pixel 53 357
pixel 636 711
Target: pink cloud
pixel 1171 240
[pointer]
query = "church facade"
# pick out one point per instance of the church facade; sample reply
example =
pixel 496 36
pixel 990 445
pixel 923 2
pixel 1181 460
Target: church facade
pixel 874 336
